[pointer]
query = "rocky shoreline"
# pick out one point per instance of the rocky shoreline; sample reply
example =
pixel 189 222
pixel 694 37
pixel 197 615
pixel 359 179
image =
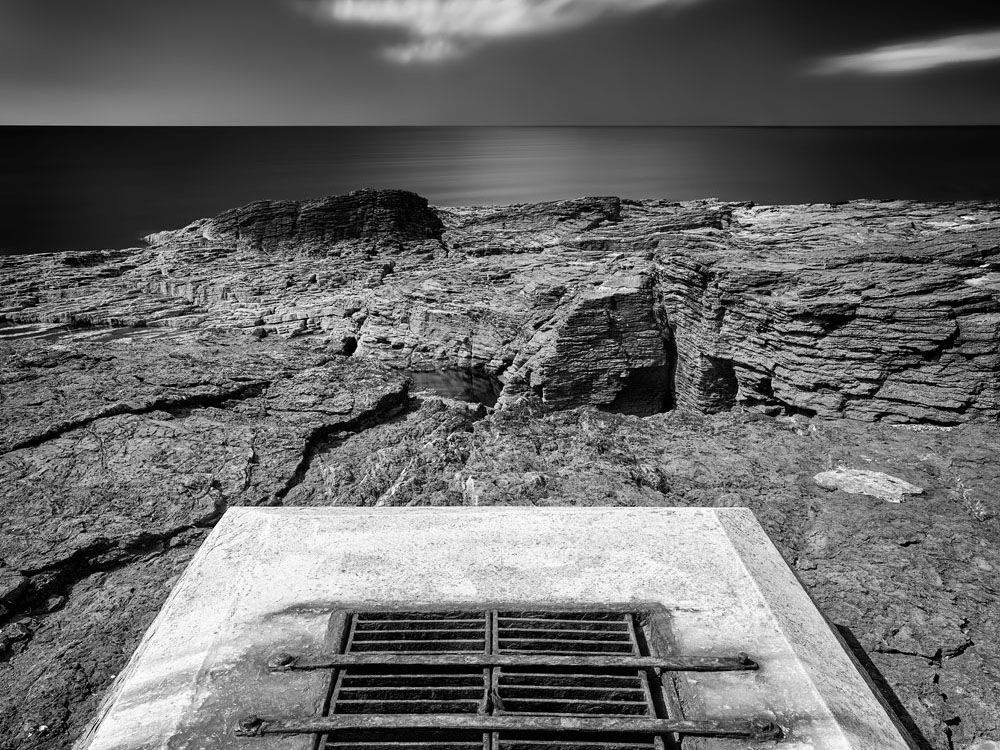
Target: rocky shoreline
pixel 645 352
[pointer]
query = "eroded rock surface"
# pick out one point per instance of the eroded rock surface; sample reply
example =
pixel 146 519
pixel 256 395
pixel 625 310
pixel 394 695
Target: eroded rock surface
pixel 867 310
pixel 650 353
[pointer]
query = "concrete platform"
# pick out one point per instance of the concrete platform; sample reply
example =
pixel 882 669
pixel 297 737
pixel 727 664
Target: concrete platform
pixel 267 579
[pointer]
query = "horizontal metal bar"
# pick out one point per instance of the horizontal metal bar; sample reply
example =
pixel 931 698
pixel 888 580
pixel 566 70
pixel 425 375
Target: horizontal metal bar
pixel 533 699
pixel 755 730
pixel 388 707
pixel 469 681
pixel 418 641
pixel 576 621
pixel 345 689
pixel 561 632
pixel 565 688
pixel 368 621
pixel 409 631
pixel 509 679
pixel 528 711
pixel 740 662
pixel 588 641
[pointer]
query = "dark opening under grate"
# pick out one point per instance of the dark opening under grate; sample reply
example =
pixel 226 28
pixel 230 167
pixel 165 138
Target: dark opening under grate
pixel 502 680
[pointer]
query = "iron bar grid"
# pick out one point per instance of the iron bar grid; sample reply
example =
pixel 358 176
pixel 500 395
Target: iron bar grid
pixel 503 680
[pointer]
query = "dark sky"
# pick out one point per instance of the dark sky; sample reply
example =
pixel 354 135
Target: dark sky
pixel 436 62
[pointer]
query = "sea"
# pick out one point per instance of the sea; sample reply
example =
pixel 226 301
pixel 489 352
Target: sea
pixel 88 188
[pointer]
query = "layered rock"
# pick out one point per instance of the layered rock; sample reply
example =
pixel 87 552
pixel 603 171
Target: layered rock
pixel 318 225
pixel 872 311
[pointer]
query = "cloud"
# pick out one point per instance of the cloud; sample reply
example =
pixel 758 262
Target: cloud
pixel 917 56
pixel 439 30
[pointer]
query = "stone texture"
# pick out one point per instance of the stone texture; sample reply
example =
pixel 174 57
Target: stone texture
pixel 865 482
pixel 246 372
pixel 878 311
pixel 317 226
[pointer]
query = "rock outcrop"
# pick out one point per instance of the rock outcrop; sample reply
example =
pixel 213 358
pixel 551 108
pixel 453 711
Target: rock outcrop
pixel 649 353
pixel 871 311
pixel 317 226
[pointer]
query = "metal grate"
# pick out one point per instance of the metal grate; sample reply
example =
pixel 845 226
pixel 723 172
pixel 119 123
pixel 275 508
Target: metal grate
pixel 565 633
pixel 579 742
pixel 407 691
pixel 413 740
pixel 569 691
pixel 417 632
pixel 537 679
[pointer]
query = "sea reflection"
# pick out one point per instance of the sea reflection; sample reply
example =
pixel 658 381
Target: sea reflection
pixel 97 188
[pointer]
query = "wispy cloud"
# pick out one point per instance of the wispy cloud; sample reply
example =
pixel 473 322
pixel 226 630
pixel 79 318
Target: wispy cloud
pixel 438 30
pixel 916 56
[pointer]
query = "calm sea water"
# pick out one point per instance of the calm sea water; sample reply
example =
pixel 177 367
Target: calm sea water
pixel 91 188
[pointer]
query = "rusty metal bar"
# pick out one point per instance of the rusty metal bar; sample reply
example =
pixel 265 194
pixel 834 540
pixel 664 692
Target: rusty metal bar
pixel 388 634
pixel 486 704
pixel 574 641
pixel 753 730
pixel 741 662
pixel 558 632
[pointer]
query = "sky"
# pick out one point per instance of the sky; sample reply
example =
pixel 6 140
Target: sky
pixel 499 62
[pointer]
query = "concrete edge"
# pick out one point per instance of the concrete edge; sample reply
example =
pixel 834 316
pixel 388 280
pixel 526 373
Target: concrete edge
pixel 862 673
pixel 164 614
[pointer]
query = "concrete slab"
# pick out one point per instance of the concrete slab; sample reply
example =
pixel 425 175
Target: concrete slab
pixel 266 580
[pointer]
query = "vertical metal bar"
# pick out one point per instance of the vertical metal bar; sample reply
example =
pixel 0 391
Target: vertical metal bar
pixel 647 692
pixel 331 685
pixel 487 672
pixel 320 740
pixel 630 624
pixel 336 692
pixel 495 692
pixel 490 741
pixel 637 649
pixel 653 679
pixel 668 690
pixel 337 676
pixel 350 633
pixel 670 696
pixel 495 671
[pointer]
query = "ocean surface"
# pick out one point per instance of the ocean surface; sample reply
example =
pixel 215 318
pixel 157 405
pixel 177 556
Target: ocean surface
pixel 67 188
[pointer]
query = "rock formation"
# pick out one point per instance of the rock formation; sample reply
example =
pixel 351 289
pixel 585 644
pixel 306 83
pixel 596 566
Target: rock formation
pixel 317 226
pixel 871 311
pixel 649 352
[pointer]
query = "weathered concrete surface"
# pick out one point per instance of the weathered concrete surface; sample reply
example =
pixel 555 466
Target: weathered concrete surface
pixel 265 578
